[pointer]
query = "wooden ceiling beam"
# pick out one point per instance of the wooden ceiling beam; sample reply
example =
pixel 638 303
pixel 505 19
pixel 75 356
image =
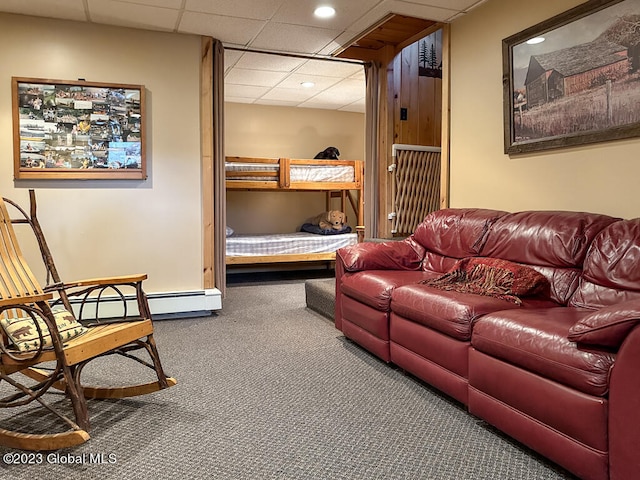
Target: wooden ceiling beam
pixel 397 31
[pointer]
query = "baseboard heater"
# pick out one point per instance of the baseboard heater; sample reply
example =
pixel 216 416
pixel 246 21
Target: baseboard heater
pixel 163 305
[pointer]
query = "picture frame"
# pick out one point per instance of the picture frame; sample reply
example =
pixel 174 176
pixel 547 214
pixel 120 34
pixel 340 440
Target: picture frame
pixel 78 130
pixel 579 84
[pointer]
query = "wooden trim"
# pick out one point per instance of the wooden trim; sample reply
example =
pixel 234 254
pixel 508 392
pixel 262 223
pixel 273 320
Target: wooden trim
pixel 446 115
pixel 419 36
pixel 206 147
pixel 388 85
pixel 285 172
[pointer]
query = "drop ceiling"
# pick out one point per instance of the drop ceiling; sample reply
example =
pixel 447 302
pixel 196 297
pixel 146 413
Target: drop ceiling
pixel 248 28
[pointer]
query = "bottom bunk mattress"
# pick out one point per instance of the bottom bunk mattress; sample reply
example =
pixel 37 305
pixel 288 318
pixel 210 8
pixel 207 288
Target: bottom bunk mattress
pixel 297 243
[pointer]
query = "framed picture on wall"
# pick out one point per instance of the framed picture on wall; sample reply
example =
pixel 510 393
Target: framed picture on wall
pixel 573 79
pixel 78 130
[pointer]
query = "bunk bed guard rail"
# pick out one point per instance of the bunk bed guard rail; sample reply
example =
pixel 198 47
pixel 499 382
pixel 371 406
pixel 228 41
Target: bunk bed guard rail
pixel 415 188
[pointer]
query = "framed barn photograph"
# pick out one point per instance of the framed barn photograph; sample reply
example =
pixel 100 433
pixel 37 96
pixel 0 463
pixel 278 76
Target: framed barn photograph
pixel 78 130
pixel 573 79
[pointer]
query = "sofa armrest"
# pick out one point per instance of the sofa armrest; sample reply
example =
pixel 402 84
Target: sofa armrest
pixel 607 327
pixel 624 410
pixel 402 255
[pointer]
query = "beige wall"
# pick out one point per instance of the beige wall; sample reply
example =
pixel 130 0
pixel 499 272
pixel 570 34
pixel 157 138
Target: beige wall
pixel 598 178
pixel 267 131
pixel 102 228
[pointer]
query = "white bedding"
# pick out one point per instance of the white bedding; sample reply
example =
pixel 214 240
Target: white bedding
pixel 298 173
pixel 287 243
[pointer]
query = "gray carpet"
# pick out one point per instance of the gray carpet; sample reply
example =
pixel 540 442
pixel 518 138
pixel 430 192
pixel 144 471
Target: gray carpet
pixel 269 389
pixel 320 296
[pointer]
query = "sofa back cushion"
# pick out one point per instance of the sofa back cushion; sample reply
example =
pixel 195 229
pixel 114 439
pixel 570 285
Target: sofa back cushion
pixel 611 274
pixel 453 233
pixel 554 242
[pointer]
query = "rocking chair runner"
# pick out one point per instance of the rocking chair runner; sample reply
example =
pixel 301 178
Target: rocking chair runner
pixel 22 299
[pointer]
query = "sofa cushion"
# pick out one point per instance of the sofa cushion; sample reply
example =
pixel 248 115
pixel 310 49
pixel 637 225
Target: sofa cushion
pixel 544 238
pixel 611 274
pixel 562 282
pixel 437 263
pixel 493 277
pixel 448 312
pixel 608 326
pixel 374 287
pixel 536 340
pixel 456 232
pixel 548 240
pixel 393 255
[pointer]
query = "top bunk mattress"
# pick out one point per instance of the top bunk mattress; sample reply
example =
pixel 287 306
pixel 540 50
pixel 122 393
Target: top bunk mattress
pixel 298 173
pixel 287 243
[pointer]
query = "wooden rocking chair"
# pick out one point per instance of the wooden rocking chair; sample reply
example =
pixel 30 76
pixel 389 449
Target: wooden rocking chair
pixel 56 361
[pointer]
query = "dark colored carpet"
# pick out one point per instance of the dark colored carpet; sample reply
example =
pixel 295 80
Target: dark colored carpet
pixel 269 389
pixel 320 296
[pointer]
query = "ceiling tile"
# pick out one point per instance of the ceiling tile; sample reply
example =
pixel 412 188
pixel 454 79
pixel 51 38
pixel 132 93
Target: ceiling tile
pixel 280 103
pixel 294 80
pixel 341 93
pixel 365 22
pixel 274 63
pixel 260 78
pixel 115 12
pixel 448 4
pixel 244 91
pixel 340 43
pixel 175 4
pixel 330 68
pixel 65 9
pixel 238 31
pixel 289 94
pixel 300 12
pixel 260 10
pixel 238 100
pixel 429 12
pixel 293 38
pixel 322 105
pixel 332 48
pixel 357 107
pixel 231 58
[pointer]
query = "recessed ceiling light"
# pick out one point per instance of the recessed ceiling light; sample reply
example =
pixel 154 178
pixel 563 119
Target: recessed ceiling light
pixel 324 12
pixel 535 40
pixel 307 84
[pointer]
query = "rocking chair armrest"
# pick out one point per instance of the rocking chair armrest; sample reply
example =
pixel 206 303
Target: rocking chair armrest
pixel 121 280
pixel 26 299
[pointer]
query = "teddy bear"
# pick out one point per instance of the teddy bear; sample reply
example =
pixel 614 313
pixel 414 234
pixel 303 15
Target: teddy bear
pixel 333 219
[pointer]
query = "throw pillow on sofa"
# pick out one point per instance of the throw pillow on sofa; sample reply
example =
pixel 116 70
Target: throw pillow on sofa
pixel 493 277
pixel 608 326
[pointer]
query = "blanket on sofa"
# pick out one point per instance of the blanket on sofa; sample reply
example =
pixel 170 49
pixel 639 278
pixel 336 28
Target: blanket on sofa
pixel 493 277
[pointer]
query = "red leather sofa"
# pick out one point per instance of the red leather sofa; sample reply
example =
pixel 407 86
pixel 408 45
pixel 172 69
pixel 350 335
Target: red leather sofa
pixel 559 372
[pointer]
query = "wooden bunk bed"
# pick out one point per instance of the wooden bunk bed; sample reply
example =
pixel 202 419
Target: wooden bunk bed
pixel 341 179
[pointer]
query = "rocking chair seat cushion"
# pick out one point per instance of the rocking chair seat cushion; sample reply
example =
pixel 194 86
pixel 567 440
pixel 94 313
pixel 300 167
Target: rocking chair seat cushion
pixel 24 335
